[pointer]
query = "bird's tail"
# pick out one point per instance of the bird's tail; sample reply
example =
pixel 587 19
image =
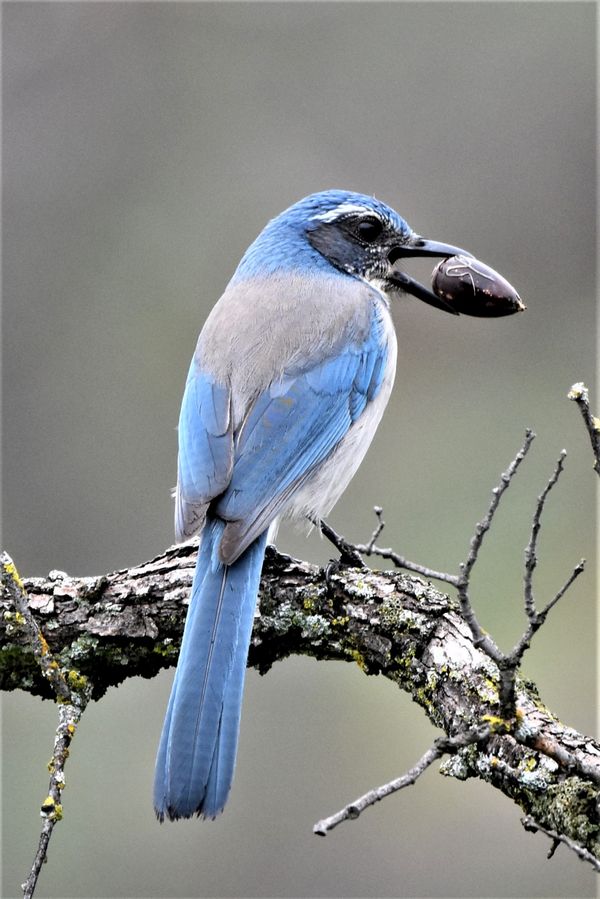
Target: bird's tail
pixel 196 755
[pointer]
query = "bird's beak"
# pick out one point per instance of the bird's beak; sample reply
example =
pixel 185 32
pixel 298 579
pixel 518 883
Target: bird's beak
pixel 420 246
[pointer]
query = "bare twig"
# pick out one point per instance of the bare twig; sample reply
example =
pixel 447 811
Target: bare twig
pixel 580 394
pixel 440 747
pixel 483 526
pixel 531 549
pixel 377 530
pixel 348 553
pixel 508 663
pixel 72 692
pixel 371 549
pixel 532 826
pixel 480 637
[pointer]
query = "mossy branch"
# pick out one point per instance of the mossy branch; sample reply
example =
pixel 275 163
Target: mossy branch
pixel 129 623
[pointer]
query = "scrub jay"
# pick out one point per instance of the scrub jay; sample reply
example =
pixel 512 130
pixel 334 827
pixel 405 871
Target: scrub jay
pixel 289 380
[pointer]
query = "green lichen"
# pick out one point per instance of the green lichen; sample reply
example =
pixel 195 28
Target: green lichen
pixel 462 764
pixel 76 681
pixel 358 587
pixel 166 649
pixel 311 597
pixel 397 618
pixel 15 621
pixel 314 626
pixel 84 647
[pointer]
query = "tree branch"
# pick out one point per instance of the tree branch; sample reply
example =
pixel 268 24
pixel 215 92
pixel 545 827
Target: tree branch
pixel 73 638
pixel 129 623
pixel 580 395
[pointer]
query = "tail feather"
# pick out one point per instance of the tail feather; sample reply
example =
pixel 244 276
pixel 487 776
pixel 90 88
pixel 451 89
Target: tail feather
pixel 197 751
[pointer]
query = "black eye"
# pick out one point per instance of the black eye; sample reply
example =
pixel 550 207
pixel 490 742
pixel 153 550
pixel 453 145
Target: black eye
pixel 369 229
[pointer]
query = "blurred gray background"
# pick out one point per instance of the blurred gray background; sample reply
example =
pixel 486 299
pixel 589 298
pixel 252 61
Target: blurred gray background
pixel 145 145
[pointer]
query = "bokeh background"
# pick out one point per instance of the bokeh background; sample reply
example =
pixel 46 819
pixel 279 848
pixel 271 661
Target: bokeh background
pixel 145 145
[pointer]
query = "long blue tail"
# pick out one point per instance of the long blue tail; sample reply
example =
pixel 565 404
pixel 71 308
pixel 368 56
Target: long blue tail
pixel 196 755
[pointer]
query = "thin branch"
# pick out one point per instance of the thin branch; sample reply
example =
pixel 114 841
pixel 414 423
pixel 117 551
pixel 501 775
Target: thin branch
pixel 371 549
pixel 348 554
pixel 440 747
pixel 72 692
pixel 531 549
pixel 378 510
pixel 580 394
pixel 12 585
pixel 532 826
pixel 480 637
pixel 579 568
pixel 483 526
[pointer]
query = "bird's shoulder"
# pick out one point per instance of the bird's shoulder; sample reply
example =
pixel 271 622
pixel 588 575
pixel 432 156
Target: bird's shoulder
pixel 287 323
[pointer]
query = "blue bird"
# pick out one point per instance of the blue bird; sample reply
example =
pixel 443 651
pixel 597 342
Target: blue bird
pixel 289 380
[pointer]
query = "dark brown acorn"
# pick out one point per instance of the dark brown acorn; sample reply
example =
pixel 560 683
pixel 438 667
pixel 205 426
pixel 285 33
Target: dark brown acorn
pixel 473 288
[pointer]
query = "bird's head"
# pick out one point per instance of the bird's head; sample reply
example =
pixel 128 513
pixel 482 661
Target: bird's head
pixel 349 232
pixel 363 237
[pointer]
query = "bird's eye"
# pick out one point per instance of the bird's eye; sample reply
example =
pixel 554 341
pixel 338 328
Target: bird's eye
pixel 369 229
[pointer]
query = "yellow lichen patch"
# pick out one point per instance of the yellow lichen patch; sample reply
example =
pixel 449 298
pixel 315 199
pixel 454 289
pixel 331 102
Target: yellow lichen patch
pixel 76 681
pixel 51 809
pixel 340 621
pixel 44 646
pixel 11 570
pixel 497 725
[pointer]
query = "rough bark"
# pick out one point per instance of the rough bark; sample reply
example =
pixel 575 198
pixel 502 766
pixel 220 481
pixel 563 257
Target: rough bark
pixel 103 630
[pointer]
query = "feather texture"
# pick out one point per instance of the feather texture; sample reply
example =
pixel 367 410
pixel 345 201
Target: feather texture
pixel 196 756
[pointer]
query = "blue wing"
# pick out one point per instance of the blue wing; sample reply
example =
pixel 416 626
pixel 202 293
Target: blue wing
pixel 205 458
pixel 288 431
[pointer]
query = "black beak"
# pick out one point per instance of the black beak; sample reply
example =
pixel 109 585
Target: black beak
pixel 420 246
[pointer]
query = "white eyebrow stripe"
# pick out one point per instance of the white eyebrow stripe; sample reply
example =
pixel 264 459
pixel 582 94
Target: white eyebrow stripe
pixel 343 209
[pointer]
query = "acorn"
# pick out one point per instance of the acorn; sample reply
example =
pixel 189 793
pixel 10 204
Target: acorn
pixel 473 288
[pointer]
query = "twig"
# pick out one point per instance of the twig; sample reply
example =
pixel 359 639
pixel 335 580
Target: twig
pixel 483 526
pixel 371 549
pixel 531 549
pixel 348 554
pixel 480 637
pixel 72 693
pixel 580 394
pixel 440 747
pixel 377 530
pixel 532 826
pixel 508 663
